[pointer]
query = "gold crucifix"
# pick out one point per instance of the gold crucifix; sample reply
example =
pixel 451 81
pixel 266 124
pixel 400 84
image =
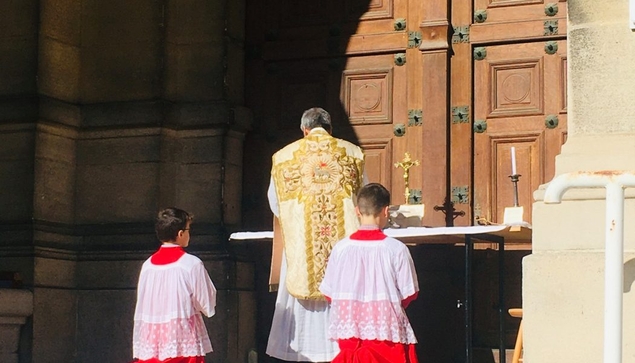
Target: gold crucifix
pixel 406 164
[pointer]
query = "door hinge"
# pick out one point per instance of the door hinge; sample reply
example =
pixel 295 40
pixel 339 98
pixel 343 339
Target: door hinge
pixel 461 194
pixel 415 117
pixel 551 27
pixel 415 196
pixel 414 39
pixel 460 34
pixel 460 114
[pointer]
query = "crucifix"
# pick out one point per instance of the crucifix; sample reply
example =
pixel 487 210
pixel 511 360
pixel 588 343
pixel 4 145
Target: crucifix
pixel 406 164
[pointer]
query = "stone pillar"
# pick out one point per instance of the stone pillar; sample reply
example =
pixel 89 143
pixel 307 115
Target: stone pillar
pixel 18 116
pixel 140 107
pixel 563 286
pixel 15 307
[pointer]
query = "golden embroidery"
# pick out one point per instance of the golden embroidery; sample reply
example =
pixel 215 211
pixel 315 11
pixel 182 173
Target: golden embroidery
pixel 320 176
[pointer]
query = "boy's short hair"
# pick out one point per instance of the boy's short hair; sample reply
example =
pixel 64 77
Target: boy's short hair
pixel 170 221
pixel 372 198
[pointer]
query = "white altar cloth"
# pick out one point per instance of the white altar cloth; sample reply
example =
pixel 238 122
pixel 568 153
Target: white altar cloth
pixel 433 234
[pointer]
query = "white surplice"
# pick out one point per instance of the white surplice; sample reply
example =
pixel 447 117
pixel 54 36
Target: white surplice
pixel 170 300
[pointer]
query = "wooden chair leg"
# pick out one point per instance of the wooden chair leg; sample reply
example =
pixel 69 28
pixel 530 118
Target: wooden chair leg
pixel 518 348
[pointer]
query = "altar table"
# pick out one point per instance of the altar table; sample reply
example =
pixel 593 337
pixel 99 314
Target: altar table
pixel 499 234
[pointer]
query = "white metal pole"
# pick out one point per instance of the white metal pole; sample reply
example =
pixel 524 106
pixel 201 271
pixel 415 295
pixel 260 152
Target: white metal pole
pixel 613 273
pixel 614 182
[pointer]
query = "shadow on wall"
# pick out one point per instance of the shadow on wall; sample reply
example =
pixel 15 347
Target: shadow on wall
pixel 629 275
pixel 295 55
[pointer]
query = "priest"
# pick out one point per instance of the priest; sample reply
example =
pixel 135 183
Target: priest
pixel 314 182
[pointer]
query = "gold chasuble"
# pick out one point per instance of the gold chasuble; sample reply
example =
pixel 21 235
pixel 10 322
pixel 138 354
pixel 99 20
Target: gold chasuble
pixel 317 179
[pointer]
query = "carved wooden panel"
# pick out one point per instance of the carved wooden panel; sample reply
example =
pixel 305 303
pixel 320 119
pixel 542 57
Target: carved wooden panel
pixel 519 16
pixel 302 13
pixel 367 95
pixel 529 163
pixel 519 94
pixel 375 9
pixel 499 3
pixel 378 160
pixel 517 88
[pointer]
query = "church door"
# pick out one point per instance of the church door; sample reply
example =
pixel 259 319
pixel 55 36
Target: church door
pixel 508 90
pixel 514 51
pixel 358 59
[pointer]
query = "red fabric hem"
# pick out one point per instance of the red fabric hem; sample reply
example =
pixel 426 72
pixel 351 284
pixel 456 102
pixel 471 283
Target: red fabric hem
pixel 405 302
pixel 356 350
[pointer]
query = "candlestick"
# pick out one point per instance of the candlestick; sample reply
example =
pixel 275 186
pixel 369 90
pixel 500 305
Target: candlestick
pixel 513 151
pixel 514 215
pixel 515 178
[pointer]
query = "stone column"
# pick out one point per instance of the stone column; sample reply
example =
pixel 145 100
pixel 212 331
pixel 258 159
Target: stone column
pixel 563 285
pixel 15 307
pixel 140 108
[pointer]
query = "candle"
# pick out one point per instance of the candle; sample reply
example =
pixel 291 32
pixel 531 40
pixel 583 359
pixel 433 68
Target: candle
pixel 513 160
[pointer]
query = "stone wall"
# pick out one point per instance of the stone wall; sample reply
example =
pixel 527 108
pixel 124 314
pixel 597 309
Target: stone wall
pixel 108 112
pixel 563 288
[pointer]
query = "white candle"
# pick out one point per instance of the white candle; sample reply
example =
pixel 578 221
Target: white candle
pixel 513 160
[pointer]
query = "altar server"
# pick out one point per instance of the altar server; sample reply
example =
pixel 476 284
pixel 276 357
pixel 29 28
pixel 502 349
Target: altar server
pixel 174 290
pixel 370 279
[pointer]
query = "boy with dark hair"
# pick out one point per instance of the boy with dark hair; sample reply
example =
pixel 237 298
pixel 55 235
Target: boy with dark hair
pixel 370 278
pixel 174 289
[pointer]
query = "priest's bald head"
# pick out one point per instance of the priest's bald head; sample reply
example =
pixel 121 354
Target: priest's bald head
pixel 315 117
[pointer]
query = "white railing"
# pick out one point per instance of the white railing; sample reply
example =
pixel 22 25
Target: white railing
pixel 614 182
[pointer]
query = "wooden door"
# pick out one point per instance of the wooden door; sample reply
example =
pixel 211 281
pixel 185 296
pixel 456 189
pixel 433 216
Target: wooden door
pixel 521 104
pixel 514 51
pixel 359 60
pixel 508 84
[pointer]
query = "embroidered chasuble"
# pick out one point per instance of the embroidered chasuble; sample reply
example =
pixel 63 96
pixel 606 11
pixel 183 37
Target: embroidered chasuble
pixel 317 179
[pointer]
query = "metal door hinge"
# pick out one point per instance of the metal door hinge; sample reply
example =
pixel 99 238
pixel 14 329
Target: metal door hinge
pixel 415 117
pixel 551 27
pixel 415 196
pixel 461 34
pixel 414 39
pixel 460 114
pixel 460 194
